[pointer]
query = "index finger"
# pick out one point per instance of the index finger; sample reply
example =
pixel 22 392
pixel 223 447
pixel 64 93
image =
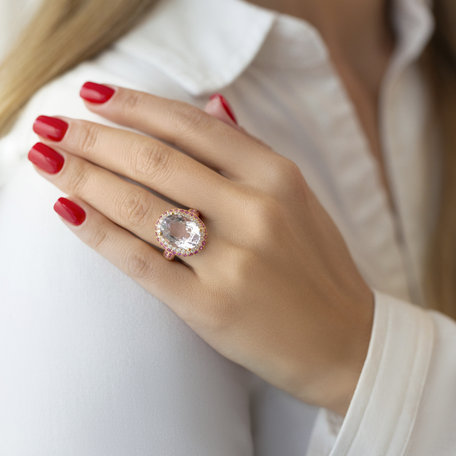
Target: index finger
pixel 218 145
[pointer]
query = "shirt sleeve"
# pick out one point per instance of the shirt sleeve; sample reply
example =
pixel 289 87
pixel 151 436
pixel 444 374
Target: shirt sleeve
pixel 405 399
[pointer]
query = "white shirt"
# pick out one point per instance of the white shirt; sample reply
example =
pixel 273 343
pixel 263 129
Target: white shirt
pixel 91 364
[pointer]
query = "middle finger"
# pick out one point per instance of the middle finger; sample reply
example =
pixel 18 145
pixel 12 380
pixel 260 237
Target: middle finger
pixel 141 158
pixel 126 204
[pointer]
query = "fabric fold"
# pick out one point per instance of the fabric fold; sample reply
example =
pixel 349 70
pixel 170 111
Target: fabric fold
pixel 381 415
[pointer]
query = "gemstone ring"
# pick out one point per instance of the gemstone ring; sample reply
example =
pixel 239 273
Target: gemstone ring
pixel 180 232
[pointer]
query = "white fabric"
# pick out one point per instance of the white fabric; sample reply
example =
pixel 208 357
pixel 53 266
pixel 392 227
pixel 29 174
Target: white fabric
pixel 90 364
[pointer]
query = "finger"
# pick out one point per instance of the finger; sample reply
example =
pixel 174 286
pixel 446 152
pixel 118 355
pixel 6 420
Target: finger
pixel 219 108
pixel 148 161
pixel 170 281
pixel 187 127
pixel 125 203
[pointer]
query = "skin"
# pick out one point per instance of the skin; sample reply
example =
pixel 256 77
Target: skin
pixel 281 296
pixel 361 46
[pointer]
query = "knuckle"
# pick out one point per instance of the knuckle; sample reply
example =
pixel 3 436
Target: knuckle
pixel 77 178
pixel 137 264
pixel 285 176
pixel 87 136
pixel 291 169
pixel 133 207
pixel 151 161
pixel 264 220
pixel 188 118
pixel 131 100
pixel 98 238
pixel 237 267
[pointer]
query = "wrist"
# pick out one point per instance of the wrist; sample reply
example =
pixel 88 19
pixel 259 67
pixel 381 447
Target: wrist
pixel 358 340
pixel 334 386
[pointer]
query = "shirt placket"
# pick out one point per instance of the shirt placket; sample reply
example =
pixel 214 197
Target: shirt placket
pixel 332 150
pixel 402 124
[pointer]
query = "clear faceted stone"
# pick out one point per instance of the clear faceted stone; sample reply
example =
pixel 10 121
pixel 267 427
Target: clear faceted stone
pixel 180 232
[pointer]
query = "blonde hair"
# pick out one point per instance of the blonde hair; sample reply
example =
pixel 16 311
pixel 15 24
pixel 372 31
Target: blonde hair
pixel 61 34
pixel 66 32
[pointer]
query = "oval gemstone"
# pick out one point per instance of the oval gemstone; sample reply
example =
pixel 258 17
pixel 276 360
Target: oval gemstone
pixel 180 232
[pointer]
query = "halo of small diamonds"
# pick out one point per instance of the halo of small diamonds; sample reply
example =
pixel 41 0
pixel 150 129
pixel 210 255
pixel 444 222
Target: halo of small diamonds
pixel 187 218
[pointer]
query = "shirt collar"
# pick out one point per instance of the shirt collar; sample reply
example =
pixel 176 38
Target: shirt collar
pixel 204 45
pixel 414 23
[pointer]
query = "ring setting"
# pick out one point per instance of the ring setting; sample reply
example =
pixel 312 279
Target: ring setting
pixel 181 232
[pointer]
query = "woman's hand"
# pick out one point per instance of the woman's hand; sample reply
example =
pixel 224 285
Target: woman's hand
pixel 275 289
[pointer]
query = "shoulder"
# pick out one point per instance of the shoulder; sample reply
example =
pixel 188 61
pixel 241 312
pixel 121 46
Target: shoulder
pixel 61 97
pixel 181 50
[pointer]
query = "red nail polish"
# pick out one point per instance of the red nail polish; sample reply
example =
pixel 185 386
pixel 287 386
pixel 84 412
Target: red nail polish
pixel 225 105
pixel 96 93
pixel 46 158
pixel 50 127
pixel 70 211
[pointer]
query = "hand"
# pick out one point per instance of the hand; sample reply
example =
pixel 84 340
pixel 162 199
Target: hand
pixel 275 289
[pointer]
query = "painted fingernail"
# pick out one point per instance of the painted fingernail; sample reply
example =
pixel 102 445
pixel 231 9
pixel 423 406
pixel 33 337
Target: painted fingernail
pixel 96 93
pixel 226 106
pixel 50 127
pixel 46 158
pixel 70 211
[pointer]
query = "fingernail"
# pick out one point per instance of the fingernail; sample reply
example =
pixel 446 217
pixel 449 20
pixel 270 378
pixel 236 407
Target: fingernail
pixel 96 93
pixel 50 127
pixel 226 106
pixel 46 158
pixel 70 211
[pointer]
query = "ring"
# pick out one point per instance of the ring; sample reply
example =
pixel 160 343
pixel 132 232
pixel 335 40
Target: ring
pixel 181 232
